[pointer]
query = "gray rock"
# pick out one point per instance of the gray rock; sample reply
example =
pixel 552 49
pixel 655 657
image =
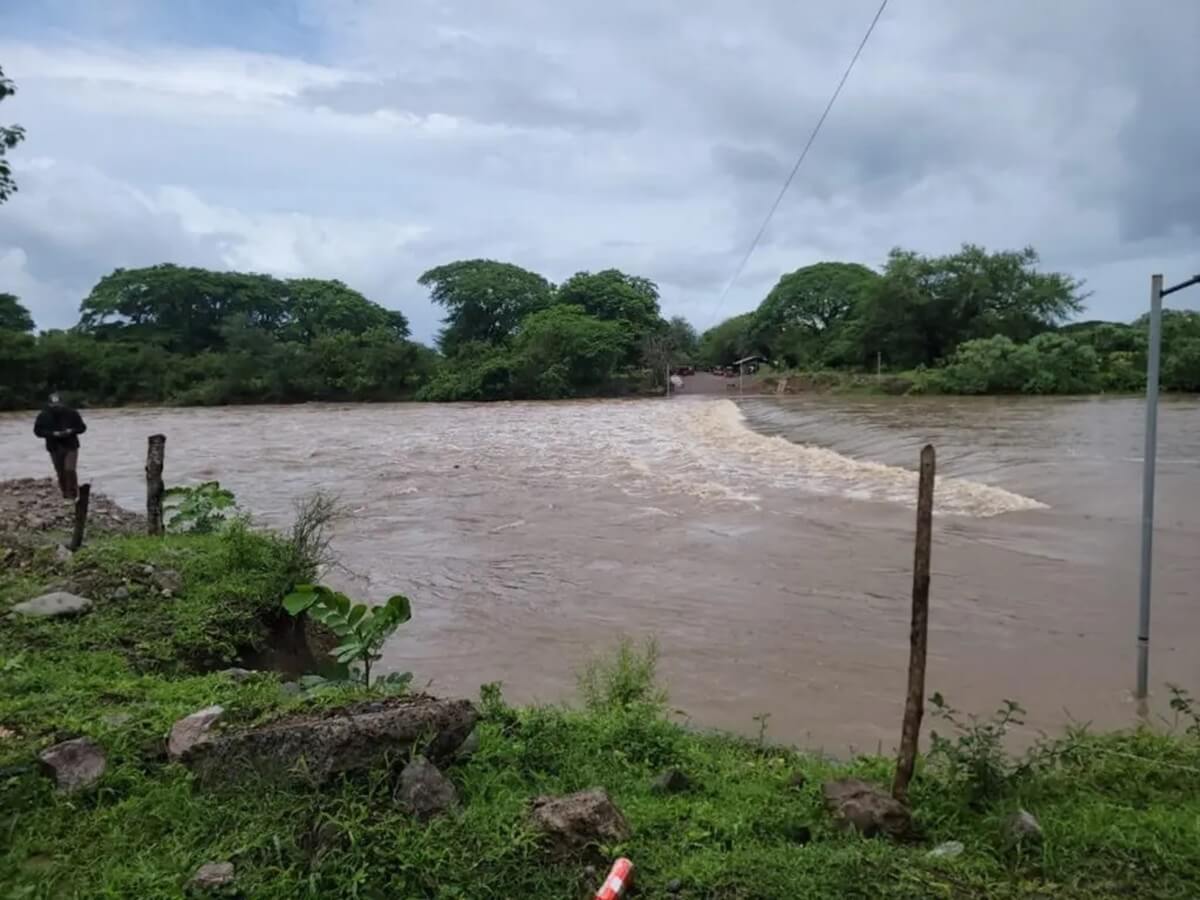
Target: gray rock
pixel 672 781
pixel 168 581
pixel 470 746
pixel 948 850
pixel 236 673
pixel 314 747
pixel 121 593
pixel 674 886
pixel 424 791
pixel 191 731
pixel 62 554
pixel 290 689
pixel 579 821
pixel 861 807
pixel 54 605
pixel 1024 826
pixel 75 765
pixel 212 876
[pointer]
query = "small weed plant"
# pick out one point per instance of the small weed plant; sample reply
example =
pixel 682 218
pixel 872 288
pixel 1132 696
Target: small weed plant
pixel 1186 713
pixel 361 628
pixel 623 681
pixel 198 509
pixel 975 757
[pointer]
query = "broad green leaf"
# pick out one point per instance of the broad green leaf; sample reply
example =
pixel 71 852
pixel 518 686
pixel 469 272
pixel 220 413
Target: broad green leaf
pixel 297 603
pixel 356 615
pixel 399 608
pixel 341 601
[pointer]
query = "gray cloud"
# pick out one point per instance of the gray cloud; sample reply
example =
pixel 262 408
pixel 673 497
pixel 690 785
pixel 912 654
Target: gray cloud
pixel 643 135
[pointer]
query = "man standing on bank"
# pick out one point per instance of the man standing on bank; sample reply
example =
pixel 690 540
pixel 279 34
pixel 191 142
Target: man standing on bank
pixel 61 426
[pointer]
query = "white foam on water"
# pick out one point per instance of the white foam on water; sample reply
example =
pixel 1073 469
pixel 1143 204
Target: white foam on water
pixel 720 429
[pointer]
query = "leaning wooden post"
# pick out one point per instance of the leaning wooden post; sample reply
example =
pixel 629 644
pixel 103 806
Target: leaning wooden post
pixel 918 638
pixel 81 511
pixel 154 483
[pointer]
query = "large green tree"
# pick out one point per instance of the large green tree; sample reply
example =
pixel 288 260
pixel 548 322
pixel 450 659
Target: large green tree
pixel 316 306
pixel 614 296
pixel 564 352
pixel 10 136
pixel 925 306
pixel 182 308
pixel 729 341
pixel 187 309
pixel 682 340
pixel 14 316
pixel 806 307
pixel 484 300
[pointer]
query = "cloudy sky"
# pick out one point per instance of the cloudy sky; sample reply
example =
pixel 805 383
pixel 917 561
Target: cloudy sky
pixel 369 140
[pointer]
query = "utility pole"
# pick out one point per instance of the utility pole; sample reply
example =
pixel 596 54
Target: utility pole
pixel 1157 292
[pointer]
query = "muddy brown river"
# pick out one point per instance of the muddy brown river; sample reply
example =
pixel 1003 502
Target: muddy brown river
pixel 766 543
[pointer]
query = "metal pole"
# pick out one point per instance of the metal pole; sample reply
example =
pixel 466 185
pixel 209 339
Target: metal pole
pixel 1148 464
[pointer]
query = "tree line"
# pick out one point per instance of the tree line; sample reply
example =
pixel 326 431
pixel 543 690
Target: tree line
pixel 191 336
pixel 969 322
pixel 966 322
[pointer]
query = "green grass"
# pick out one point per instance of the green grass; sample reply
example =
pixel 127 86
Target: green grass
pixel 232 585
pixel 1121 812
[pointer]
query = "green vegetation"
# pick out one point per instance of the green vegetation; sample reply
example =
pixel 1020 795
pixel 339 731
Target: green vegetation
pixel 10 136
pixel 201 508
pixel 1120 813
pixel 970 322
pixel 170 334
pixel 361 629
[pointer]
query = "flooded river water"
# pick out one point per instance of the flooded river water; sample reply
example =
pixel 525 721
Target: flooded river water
pixel 766 543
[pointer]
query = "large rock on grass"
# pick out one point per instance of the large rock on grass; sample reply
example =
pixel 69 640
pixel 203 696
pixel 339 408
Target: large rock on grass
pixel 192 730
pixel 424 791
pixel 75 765
pixel 55 605
pixel 212 877
pixel 314 748
pixel 1023 827
pixel 579 821
pixel 861 807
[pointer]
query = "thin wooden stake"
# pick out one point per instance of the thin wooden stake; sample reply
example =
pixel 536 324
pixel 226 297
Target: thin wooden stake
pixel 81 513
pixel 154 483
pixel 914 707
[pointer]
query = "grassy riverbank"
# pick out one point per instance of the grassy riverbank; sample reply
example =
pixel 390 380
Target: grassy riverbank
pixel 1120 813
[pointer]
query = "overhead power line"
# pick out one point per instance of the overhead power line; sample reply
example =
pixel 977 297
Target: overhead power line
pixel 800 160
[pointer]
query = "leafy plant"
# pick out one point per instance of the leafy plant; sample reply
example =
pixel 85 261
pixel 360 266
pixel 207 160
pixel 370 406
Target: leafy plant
pixel 976 757
pixel 362 629
pixel 623 681
pixel 199 509
pixel 1185 708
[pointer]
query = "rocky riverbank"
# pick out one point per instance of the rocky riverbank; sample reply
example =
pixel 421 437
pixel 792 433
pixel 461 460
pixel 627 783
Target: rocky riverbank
pixel 35 505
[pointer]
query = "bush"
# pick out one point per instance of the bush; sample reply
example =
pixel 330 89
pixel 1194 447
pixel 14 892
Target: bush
pixel 1049 364
pixel 623 681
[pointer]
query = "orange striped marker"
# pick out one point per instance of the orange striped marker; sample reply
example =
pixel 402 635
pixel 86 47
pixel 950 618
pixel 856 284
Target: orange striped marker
pixel 617 881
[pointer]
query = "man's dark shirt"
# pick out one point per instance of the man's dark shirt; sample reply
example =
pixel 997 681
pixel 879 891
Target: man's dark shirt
pixel 59 418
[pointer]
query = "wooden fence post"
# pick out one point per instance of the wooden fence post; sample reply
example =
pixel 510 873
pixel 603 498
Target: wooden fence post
pixel 81 512
pixel 154 483
pixel 914 706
